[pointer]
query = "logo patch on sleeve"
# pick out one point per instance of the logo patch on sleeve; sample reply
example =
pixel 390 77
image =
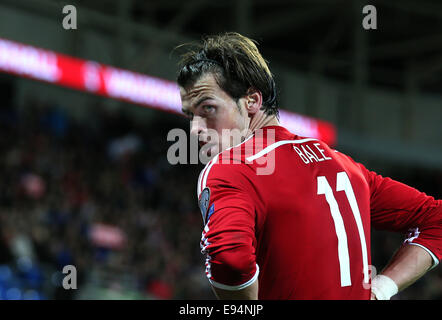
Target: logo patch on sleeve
pixel 203 202
pixel 211 210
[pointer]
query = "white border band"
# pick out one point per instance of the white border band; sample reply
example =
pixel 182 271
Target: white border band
pixel 238 287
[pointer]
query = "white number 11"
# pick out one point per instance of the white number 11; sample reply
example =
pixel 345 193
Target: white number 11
pixel 343 184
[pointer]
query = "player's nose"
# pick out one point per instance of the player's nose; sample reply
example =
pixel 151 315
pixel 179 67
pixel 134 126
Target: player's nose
pixel 197 126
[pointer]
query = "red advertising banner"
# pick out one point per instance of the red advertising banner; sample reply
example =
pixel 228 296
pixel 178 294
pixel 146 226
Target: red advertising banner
pixel 48 66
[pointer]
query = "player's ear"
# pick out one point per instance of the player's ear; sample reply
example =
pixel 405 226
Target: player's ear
pixel 253 101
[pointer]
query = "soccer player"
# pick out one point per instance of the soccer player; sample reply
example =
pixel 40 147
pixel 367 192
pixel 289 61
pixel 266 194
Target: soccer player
pixel 288 217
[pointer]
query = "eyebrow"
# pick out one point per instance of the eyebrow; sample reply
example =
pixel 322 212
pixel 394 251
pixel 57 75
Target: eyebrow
pixel 201 100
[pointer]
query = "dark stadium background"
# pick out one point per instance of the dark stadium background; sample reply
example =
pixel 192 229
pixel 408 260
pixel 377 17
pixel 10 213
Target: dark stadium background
pixel 73 163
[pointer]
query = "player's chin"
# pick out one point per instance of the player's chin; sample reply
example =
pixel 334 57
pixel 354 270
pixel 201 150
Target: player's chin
pixel 209 150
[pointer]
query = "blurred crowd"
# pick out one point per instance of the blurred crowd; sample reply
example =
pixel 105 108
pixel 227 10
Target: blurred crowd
pixel 98 193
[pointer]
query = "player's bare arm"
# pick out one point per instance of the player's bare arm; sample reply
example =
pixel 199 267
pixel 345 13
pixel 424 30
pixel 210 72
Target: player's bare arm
pixel 407 265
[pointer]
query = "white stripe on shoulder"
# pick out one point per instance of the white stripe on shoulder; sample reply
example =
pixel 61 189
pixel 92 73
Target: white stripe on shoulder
pixel 202 180
pixel 214 160
pixel 251 136
pixel 276 145
pixel 198 185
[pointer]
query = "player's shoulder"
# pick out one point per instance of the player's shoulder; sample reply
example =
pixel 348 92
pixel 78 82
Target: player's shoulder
pixel 245 156
pixel 227 166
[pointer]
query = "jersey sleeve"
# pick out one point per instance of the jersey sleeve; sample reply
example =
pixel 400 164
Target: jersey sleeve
pixel 401 208
pixel 228 239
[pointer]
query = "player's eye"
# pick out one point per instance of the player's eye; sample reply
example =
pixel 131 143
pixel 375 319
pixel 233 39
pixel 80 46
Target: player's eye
pixel 208 108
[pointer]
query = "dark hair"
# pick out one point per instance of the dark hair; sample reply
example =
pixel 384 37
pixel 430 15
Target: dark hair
pixel 236 64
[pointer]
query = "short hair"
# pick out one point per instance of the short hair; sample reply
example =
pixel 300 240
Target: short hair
pixel 236 64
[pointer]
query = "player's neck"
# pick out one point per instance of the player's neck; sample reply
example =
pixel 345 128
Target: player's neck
pixel 261 120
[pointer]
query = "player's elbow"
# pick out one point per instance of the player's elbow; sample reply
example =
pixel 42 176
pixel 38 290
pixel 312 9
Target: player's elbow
pixel 233 267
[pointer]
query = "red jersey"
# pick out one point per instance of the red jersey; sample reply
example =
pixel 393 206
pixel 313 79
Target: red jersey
pixel 295 215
